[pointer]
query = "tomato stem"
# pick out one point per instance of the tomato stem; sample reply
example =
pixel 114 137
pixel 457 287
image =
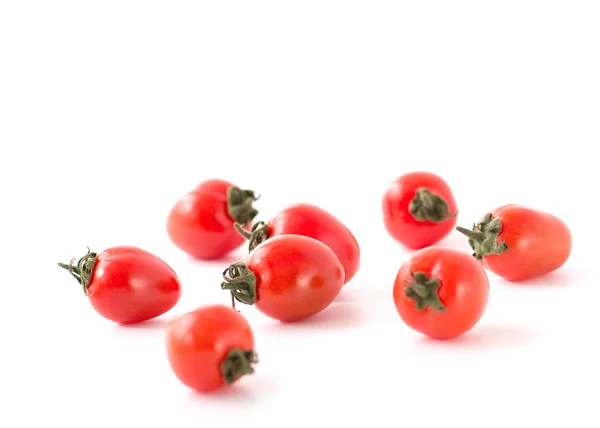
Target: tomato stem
pixel 237 364
pixel 241 282
pixel 239 204
pixel 257 235
pixel 483 239
pixel 424 291
pixel 82 272
pixel 427 206
pixel 475 236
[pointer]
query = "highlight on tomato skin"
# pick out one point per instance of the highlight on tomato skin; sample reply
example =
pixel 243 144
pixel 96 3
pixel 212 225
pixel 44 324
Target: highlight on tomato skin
pixel 201 222
pixel 440 292
pixel 126 284
pixel 288 278
pixel 517 242
pixel 314 222
pixel 419 209
pixel 210 347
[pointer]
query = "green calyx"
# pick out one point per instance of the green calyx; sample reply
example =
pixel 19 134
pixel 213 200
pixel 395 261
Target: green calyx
pixel 257 235
pixel 241 282
pixel 82 271
pixel 239 205
pixel 483 239
pixel 424 291
pixel 427 206
pixel 237 364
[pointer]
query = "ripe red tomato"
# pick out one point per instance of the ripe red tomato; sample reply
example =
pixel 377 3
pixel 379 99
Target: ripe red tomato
pixel 419 209
pixel 127 284
pixel 314 222
pixel 441 293
pixel 210 347
pixel 517 242
pixel 288 277
pixel 201 222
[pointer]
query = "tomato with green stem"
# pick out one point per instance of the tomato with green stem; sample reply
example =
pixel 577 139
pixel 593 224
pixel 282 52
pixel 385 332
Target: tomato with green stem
pixel 419 209
pixel 288 278
pixel 518 243
pixel 201 222
pixel 210 347
pixel 440 292
pixel 312 221
pixel 126 284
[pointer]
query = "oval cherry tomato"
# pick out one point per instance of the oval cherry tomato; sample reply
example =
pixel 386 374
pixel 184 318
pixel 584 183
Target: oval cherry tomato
pixel 419 209
pixel 517 242
pixel 314 222
pixel 441 293
pixel 288 277
pixel 210 347
pixel 127 284
pixel 201 222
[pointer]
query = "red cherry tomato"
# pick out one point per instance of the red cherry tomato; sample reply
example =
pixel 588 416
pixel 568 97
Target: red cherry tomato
pixel 201 222
pixel 441 293
pixel 314 222
pixel 126 284
pixel 210 347
pixel 419 209
pixel 517 242
pixel 288 277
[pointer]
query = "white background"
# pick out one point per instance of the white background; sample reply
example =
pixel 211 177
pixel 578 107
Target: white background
pixel 109 111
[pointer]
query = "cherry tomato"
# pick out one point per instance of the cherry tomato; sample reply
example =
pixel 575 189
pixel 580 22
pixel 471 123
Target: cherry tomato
pixel 210 347
pixel 314 222
pixel 517 242
pixel 419 209
pixel 441 293
pixel 288 277
pixel 127 284
pixel 201 222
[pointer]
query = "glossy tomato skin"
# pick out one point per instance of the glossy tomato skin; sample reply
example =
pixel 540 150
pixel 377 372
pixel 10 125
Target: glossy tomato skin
pixel 199 223
pixel 402 225
pixel 538 243
pixel 315 222
pixel 130 285
pixel 464 291
pixel 199 341
pixel 296 277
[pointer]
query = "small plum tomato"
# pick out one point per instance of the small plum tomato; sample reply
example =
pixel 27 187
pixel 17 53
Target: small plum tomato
pixel 441 292
pixel 419 209
pixel 201 222
pixel 314 222
pixel 288 277
pixel 210 347
pixel 126 284
pixel 518 243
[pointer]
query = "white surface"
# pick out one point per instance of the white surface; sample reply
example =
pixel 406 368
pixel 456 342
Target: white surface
pixel 111 110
